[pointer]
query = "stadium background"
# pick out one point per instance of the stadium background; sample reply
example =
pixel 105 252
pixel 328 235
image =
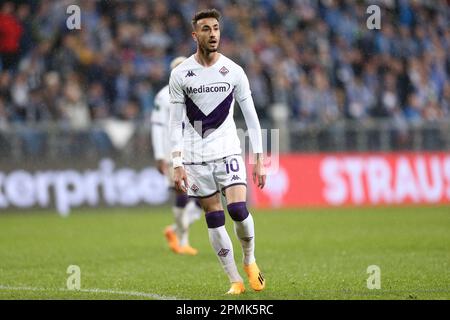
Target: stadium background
pixel 353 106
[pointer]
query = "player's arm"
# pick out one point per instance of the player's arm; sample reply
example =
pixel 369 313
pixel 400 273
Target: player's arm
pixel 177 112
pixel 176 138
pixel 157 122
pixel 245 100
pixel 254 129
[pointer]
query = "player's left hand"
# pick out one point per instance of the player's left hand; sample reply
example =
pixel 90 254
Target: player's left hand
pixel 259 174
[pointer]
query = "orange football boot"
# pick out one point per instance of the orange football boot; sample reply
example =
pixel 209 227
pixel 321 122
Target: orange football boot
pixel 236 288
pixel 255 277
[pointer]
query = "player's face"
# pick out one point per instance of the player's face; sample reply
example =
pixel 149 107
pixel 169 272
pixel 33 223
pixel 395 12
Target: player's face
pixel 207 34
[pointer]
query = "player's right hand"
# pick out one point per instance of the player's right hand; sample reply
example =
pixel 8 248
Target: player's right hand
pixel 162 166
pixel 180 179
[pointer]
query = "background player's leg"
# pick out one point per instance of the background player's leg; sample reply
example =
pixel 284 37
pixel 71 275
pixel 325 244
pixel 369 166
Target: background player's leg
pixel 175 232
pixel 184 209
pixel 220 241
pixel 190 213
pixel 193 210
pixel 245 230
pixel 181 218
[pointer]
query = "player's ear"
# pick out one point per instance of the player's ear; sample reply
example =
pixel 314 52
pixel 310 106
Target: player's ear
pixel 194 36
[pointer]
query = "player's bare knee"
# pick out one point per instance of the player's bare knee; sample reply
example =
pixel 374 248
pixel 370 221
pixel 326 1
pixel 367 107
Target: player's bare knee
pixel 212 207
pixel 238 210
pixel 236 193
pixel 211 204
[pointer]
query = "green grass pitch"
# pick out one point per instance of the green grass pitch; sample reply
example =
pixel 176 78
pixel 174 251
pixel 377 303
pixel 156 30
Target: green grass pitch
pixel 303 253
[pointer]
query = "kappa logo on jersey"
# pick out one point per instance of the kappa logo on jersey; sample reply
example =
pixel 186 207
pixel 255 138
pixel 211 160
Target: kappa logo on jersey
pixel 194 188
pixel 224 71
pixel 235 177
pixel 223 252
pixel 190 73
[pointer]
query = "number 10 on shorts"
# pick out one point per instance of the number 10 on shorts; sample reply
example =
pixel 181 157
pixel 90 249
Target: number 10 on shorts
pixel 232 165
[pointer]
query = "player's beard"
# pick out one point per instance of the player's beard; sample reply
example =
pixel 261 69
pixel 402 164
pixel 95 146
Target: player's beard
pixel 206 50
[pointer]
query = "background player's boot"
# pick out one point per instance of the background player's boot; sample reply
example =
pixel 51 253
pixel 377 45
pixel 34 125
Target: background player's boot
pixel 236 288
pixel 187 250
pixel 255 277
pixel 171 238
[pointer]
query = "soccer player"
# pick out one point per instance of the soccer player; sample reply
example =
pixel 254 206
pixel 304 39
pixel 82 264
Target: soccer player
pixel 185 212
pixel 206 159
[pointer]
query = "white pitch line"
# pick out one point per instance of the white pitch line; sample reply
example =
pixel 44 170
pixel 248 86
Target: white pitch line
pixel 95 290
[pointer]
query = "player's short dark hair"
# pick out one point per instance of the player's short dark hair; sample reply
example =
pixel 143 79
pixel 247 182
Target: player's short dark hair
pixel 207 13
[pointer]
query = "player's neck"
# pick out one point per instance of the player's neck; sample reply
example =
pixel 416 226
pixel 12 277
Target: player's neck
pixel 206 59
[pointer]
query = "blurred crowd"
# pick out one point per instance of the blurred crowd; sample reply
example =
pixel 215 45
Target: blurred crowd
pixel 317 57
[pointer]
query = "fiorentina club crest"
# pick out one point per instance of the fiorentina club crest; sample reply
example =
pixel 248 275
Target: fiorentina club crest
pixel 224 71
pixel 223 252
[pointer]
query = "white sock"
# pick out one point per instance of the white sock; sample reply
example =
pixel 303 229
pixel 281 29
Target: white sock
pixel 182 222
pixel 178 215
pixel 221 243
pixel 245 231
pixel 193 212
pixel 184 238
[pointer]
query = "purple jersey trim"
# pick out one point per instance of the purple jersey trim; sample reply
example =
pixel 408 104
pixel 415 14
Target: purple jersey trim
pixel 211 121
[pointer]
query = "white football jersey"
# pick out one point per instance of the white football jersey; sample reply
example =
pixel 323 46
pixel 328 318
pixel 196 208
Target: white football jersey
pixel 160 117
pixel 208 94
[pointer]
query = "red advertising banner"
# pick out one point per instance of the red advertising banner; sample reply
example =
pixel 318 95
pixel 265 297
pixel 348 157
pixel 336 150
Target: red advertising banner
pixel 356 179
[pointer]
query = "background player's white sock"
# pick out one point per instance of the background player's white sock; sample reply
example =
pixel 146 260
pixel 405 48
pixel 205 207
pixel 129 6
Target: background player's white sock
pixel 190 214
pixel 244 228
pixel 177 214
pixel 222 245
pixel 193 211
pixel 181 219
pixel 182 222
